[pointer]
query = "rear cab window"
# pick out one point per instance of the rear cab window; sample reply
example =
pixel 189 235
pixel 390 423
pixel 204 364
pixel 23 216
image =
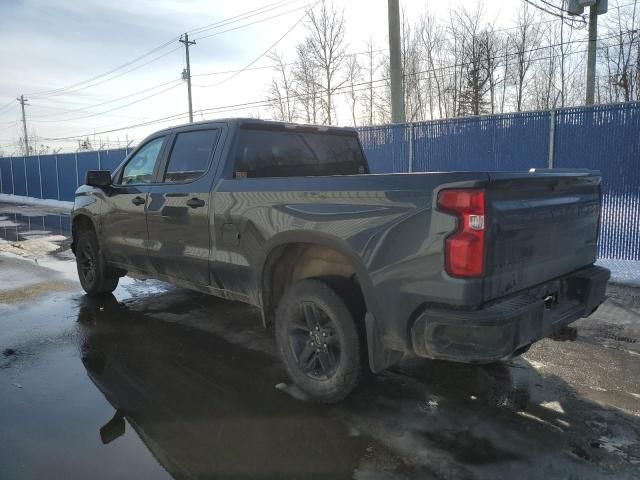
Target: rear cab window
pixel 292 153
pixel 190 155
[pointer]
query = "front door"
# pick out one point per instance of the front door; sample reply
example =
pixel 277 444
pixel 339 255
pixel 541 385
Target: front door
pixel 124 227
pixel 178 208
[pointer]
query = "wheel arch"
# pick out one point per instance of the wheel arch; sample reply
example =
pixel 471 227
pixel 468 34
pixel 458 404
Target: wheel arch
pixel 295 256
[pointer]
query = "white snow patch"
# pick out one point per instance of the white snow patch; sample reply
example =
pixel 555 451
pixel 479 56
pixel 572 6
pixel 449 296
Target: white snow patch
pixel 554 405
pixel 67 268
pixel 622 271
pixel 536 365
pixel 30 248
pixel 45 202
pixel 7 223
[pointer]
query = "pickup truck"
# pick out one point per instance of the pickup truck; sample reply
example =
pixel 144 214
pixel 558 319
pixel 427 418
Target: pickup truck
pixel 355 270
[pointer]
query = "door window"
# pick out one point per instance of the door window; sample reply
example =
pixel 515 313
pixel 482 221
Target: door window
pixel 190 155
pixel 139 169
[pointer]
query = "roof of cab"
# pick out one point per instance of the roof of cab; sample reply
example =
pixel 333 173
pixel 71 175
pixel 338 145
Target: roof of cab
pixel 258 123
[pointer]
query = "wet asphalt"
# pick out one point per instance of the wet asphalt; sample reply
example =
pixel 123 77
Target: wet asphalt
pixel 157 382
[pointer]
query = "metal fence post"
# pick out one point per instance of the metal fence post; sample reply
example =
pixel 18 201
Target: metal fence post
pixel 26 182
pixel 410 147
pixel 57 178
pixel 552 137
pixel 40 176
pixel 13 184
pixel 75 156
pixel 99 163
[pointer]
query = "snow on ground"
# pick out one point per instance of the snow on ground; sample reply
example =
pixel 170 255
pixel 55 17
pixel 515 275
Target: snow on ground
pixel 45 202
pixel 33 248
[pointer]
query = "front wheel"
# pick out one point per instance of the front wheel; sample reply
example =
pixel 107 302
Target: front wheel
pixel 94 276
pixel 319 341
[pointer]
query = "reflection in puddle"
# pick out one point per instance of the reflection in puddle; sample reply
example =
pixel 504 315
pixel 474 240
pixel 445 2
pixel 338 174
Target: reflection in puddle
pixel 206 407
pixel 49 233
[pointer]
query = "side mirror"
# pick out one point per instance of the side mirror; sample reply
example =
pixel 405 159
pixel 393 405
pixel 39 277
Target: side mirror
pixel 98 178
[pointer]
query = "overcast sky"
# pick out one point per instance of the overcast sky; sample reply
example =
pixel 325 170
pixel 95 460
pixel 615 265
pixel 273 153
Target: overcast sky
pixel 54 44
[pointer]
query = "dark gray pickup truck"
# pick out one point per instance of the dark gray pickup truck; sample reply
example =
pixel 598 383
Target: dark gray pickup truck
pixel 355 270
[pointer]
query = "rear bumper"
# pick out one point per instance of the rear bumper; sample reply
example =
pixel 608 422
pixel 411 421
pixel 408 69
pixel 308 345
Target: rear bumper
pixel 500 330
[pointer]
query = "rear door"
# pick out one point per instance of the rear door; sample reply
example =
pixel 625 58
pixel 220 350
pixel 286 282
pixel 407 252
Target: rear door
pixel 540 226
pixel 123 219
pixel 178 209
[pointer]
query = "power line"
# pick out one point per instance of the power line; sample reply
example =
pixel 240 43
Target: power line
pixel 267 50
pixel 85 108
pixel 559 15
pixel 73 87
pixel 304 7
pixel 94 114
pixel 242 16
pixel 115 76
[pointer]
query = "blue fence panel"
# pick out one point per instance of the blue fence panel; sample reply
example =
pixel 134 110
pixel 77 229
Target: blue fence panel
pixel 19 180
pixel 450 145
pixel 521 141
pixel 33 177
pixel 49 177
pixel 86 161
pixel 110 159
pixel 7 176
pixel 386 147
pixel 607 138
pixel 67 177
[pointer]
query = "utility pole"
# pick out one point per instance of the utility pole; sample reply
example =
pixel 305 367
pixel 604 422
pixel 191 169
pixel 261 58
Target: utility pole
pixel 23 101
pixel 186 74
pixel 395 63
pixel 591 58
pixel 596 7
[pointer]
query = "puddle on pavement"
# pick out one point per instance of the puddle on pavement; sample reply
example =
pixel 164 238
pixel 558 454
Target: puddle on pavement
pixel 182 403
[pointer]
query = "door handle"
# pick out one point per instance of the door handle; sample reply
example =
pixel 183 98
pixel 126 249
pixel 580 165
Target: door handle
pixel 138 201
pixel 195 203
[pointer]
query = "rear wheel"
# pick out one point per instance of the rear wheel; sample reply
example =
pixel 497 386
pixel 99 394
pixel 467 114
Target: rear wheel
pixel 94 275
pixel 318 341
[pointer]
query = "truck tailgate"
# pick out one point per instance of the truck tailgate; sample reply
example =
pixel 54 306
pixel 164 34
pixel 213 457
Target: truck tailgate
pixel 540 226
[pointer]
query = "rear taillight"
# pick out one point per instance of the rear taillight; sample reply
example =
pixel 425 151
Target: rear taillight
pixel 464 255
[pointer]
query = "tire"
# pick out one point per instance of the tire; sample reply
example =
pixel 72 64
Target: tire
pixel 95 277
pixel 311 315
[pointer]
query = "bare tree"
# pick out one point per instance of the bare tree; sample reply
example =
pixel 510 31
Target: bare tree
pixel 475 70
pixel 620 52
pixel 431 37
pixel 525 40
pixel 281 89
pixel 326 47
pixel 371 67
pixel 354 77
pixel 307 83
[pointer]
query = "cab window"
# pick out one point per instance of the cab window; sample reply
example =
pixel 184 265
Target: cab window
pixel 273 153
pixel 190 155
pixel 139 168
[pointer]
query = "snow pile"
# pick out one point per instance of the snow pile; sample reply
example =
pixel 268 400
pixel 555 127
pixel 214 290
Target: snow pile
pixel 35 248
pixel 44 202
